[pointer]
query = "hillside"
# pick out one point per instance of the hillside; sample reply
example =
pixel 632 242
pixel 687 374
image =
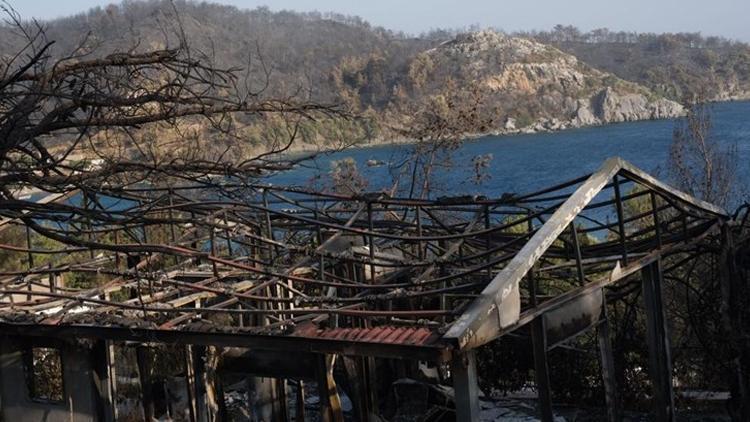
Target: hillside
pixel 524 84
pixel 297 49
pixel 677 66
pixel 531 86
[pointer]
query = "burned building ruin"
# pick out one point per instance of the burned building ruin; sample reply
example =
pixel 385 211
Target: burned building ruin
pixel 285 286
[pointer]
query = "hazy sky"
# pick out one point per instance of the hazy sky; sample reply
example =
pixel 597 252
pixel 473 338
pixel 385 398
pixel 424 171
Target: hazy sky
pixel 730 18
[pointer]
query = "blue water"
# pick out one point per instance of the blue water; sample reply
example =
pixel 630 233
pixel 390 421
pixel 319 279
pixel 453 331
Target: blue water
pixel 523 163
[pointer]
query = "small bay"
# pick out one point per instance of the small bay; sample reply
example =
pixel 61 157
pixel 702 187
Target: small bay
pixel 522 163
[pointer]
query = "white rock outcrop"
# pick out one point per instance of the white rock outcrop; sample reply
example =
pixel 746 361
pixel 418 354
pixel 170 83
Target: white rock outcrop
pixel 552 90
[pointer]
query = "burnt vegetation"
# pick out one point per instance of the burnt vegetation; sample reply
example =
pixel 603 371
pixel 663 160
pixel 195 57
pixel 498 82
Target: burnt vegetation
pixel 680 66
pixel 382 74
pixel 130 163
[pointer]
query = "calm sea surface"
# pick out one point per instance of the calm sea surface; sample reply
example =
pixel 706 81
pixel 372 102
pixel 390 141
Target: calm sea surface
pixel 522 163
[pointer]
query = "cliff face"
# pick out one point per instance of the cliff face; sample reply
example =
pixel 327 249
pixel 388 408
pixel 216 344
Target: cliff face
pixel 611 106
pixel 543 88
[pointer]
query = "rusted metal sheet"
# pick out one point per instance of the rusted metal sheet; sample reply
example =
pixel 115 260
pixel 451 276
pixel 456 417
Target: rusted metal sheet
pixel 422 347
pixel 385 334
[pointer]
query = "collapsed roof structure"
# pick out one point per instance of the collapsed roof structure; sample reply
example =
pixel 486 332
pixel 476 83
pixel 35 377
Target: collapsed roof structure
pixel 299 276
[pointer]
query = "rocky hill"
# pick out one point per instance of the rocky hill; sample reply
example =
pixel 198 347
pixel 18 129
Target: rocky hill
pixel 558 90
pixel 525 85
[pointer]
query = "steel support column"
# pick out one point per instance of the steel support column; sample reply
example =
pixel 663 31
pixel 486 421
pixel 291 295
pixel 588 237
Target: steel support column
pixel 143 358
pixel 660 361
pixel 104 382
pixel 609 378
pixel 465 386
pixel 541 369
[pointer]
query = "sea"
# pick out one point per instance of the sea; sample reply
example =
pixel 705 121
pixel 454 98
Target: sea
pixel 526 162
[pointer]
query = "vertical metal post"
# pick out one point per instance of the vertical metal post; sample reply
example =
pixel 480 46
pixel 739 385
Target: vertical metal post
pixel 539 346
pixel 487 243
pixel 657 334
pixel 369 369
pixel 371 242
pixel 359 386
pixel 89 236
pixel 281 402
pixel 196 235
pixel 420 252
pixel 29 247
pixel 172 234
pixel 150 279
pixel 117 254
pixel 609 378
pixel 104 383
pixel 465 386
pixel 657 221
pixel 299 414
pixel 112 376
pixel 192 378
pixel 319 235
pixel 577 250
pixel 30 263
pixel 269 226
pixel 144 372
pixel 212 244
pixel 442 272
pixel 52 279
pixel 227 235
pixel 273 253
pixel 539 349
pixel 620 219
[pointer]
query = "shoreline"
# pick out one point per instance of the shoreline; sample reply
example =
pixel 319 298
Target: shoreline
pixel 529 130
pixel 533 129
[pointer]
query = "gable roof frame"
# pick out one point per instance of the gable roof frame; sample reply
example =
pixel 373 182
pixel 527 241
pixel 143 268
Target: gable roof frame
pixel 498 308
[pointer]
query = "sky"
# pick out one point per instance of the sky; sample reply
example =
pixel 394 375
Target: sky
pixel 728 18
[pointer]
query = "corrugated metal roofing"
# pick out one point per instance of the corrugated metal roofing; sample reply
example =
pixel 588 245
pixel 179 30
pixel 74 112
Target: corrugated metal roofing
pixel 385 334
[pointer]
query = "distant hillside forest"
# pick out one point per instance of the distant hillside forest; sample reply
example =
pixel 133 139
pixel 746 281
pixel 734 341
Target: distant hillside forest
pixel 677 66
pixel 399 83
